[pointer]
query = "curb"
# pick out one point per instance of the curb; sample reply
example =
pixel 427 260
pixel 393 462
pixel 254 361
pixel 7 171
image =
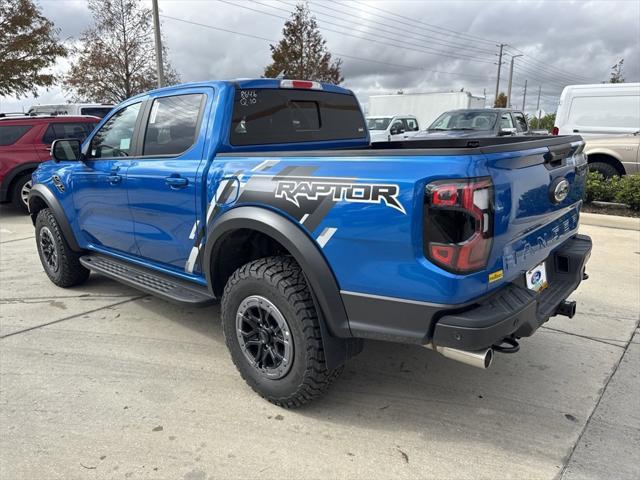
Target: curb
pixel 610 221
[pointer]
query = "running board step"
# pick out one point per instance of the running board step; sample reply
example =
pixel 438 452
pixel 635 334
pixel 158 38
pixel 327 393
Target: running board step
pixel 170 288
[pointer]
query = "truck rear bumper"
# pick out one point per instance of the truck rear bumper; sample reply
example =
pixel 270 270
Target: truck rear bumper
pixel 511 310
pixel 514 310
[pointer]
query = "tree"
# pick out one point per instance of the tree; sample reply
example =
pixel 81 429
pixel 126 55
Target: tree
pixel 546 123
pixel 616 72
pixel 501 101
pixel 302 52
pixel 116 58
pixel 29 45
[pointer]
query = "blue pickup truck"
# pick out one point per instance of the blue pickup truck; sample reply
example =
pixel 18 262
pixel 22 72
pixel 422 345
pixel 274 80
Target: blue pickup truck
pixel 267 195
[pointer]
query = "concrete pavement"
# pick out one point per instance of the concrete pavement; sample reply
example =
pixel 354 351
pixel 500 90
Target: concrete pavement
pixel 101 381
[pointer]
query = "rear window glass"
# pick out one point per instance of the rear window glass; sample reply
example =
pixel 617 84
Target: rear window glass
pixel 99 112
pixel 264 116
pixel 10 134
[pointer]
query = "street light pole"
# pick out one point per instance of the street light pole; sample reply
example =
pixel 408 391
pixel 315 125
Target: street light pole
pixel 502 45
pixel 510 80
pixel 524 97
pixel 156 31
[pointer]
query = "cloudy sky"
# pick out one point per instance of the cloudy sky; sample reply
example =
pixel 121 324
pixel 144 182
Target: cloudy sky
pixel 391 45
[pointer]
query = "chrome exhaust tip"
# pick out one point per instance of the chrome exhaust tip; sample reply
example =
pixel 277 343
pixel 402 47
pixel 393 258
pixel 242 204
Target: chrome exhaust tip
pixel 479 359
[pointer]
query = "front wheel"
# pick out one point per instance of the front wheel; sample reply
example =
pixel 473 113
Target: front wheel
pixel 61 264
pixel 272 331
pixel 604 169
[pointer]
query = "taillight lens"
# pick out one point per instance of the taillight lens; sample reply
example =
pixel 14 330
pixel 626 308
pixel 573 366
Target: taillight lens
pixel 555 131
pixel 458 227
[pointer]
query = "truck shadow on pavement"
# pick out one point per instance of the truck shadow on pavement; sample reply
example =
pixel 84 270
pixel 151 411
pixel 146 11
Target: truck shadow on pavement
pixel 532 403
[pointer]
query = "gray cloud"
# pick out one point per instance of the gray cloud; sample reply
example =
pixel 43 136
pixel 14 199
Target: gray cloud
pixel 564 42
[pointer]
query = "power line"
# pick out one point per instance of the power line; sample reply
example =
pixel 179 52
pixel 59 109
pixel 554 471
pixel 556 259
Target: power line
pixel 395 30
pixel 425 50
pixel 435 28
pixel 257 37
pixel 544 64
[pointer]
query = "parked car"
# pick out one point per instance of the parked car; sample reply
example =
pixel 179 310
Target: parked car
pixel 312 238
pixel 612 156
pixel 426 107
pixel 25 142
pixel 602 109
pixel 389 129
pixel 94 109
pixel 478 123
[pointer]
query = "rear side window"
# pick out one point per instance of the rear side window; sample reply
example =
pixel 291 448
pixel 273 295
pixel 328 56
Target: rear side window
pixel 265 116
pixel 412 125
pixel 621 111
pixel 521 122
pixel 56 131
pixel 99 112
pixel 172 125
pixel 10 134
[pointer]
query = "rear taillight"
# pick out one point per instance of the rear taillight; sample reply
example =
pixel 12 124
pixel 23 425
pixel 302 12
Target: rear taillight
pixel 458 223
pixel 555 131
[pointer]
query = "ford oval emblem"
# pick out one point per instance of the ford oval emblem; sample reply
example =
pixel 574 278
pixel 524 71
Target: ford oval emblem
pixel 559 190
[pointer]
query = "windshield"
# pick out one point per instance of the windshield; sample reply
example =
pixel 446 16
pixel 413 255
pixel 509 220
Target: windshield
pixel 475 120
pixel 378 123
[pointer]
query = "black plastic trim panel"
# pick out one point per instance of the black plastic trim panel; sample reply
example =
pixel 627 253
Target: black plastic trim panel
pixel 39 190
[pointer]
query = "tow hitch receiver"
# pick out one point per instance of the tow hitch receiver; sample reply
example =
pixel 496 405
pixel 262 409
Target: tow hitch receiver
pixel 566 308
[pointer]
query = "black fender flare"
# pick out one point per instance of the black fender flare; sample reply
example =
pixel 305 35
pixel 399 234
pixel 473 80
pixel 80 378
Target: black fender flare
pixel 41 192
pixel 5 189
pixel 291 236
pixel 338 342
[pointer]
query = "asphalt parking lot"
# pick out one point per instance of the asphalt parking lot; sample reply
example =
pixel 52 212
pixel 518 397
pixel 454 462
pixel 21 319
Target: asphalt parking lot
pixel 102 381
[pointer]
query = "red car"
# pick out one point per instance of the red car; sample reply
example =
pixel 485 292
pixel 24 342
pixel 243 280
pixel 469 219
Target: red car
pixel 25 142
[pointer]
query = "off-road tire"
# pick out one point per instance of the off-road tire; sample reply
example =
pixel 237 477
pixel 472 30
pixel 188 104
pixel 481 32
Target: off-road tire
pixel 604 169
pixel 68 271
pixel 16 193
pixel 280 280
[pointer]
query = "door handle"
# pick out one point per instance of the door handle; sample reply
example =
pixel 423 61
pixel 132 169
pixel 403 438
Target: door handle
pixel 113 179
pixel 176 181
pixel 575 130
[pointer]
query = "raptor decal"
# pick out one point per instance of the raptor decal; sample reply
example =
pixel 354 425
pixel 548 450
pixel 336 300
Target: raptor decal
pixel 293 189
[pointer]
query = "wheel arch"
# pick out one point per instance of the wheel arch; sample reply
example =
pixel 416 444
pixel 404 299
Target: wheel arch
pixel 339 345
pixel 608 158
pixel 12 176
pixel 295 241
pixel 40 198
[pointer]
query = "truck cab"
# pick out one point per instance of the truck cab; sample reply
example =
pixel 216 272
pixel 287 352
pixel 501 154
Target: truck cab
pixel 392 128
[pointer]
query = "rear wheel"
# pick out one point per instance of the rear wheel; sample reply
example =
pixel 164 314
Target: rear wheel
pixel 20 193
pixel 61 264
pixel 272 331
pixel 605 169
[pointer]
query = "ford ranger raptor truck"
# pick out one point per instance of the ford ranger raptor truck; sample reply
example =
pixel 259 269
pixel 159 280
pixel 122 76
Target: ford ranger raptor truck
pixel 267 195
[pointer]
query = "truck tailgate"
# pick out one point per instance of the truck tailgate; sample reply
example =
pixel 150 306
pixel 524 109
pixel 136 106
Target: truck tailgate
pixel 538 194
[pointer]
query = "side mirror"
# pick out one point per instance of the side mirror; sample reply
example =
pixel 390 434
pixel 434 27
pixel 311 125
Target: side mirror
pixel 66 150
pixel 507 131
pixel 396 131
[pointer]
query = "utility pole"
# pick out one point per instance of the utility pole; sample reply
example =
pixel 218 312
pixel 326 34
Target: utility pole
pixel 538 105
pixel 510 80
pixel 484 94
pixel 502 45
pixel 524 97
pixel 156 31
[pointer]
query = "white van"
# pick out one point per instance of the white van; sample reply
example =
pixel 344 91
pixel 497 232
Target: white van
pixel 93 109
pixel 600 109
